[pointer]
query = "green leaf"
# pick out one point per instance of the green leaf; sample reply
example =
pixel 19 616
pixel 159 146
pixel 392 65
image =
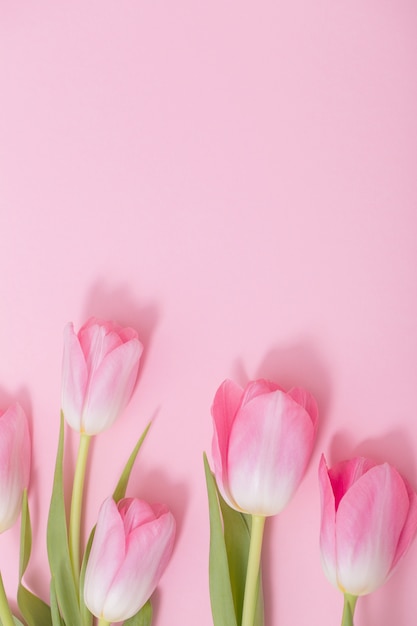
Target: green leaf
pixel 86 616
pixel 221 595
pixel 25 536
pixel 142 618
pixel 56 617
pixel 34 610
pixel 57 544
pixel 17 621
pixel 237 533
pixel 120 490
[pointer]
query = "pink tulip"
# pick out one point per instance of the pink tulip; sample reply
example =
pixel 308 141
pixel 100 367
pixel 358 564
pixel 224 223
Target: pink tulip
pixel 131 548
pixel 262 442
pixel 99 370
pixel 369 518
pixel 15 452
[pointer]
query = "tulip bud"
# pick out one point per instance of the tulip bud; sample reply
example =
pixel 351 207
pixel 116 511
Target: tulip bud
pixel 15 452
pixel 100 366
pixel 263 439
pixel 369 518
pixel 132 545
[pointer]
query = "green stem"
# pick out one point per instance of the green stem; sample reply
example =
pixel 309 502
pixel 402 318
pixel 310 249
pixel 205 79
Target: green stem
pixel 348 609
pixel 5 612
pixel 76 506
pixel 252 573
pixel 103 622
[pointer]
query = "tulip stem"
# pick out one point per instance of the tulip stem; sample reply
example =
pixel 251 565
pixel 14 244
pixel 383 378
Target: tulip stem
pixel 76 506
pixel 252 572
pixel 103 622
pixel 5 612
pixel 348 609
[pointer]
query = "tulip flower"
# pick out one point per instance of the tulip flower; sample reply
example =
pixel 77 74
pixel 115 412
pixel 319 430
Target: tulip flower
pixel 100 366
pixel 15 453
pixel 369 518
pixel 132 545
pixel 262 442
pixel 99 370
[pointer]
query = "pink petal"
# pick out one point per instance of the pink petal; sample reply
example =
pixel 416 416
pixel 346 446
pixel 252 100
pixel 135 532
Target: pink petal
pixel 111 386
pixel 328 524
pixel 270 445
pixel 346 473
pixel 410 527
pixel 258 388
pixel 225 405
pixel 148 552
pixel 15 457
pixel 135 513
pixel 307 401
pixel 106 556
pixel 369 522
pixel 74 378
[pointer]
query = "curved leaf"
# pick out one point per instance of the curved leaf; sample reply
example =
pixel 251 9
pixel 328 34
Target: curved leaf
pixel 121 486
pixel 221 595
pixel 34 610
pixel 237 532
pixel 57 544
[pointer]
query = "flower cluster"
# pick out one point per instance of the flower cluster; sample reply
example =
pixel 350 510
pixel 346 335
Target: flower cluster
pixel 262 442
pixel 113 577
pixel 263 439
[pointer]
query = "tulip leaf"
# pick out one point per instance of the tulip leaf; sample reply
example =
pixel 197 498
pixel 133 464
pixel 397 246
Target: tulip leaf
pixel 56 617
pixel 34 610
pixel 221 594
pixel 142 617
pixel 57 544
pixel 25 536
pixel 17 621
pixel 86 616
pixel 237 533
pixel 120 490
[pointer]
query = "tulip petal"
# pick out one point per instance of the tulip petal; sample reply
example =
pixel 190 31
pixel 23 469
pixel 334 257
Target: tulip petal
pixel 257 388
pixel 410 527
pixel 106 556
pixel 97 339
pixel 369 522
pixel 307 401
pixel 225 406
pixel 110 386
pixel 74 378
pixel 15 454
pixel 346 473
pixel 328 524
pixel 270 444
pixel 149 548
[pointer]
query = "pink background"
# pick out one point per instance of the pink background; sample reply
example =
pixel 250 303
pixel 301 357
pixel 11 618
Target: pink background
pixel 236 180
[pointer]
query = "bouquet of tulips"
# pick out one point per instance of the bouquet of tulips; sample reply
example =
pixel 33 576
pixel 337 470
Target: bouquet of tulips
pixel 114 575
pixel 262 442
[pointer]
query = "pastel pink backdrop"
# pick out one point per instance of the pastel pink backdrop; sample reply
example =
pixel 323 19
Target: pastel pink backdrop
pixel 236 180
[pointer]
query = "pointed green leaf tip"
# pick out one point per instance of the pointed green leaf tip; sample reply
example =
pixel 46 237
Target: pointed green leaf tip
pixel 121 487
